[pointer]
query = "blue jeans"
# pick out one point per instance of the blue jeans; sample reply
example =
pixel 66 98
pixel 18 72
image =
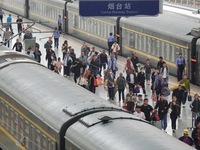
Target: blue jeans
pixel 164 122
pixel 165 80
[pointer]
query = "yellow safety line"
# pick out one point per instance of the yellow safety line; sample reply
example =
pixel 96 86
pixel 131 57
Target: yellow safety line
pixel 11 137
pixel 25 117
pixel 90 34
pixel 92 18
pixel 145 54
pixel 166 41
pixel 43 17
pixel 12 6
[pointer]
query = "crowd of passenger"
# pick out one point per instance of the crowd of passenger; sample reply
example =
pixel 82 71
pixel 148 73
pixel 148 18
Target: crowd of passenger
pixel 95 68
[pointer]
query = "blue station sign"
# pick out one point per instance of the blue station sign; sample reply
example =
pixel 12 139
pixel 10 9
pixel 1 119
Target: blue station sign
pixel 118 7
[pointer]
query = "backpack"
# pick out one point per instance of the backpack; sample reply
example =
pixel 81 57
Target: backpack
pixel 165 91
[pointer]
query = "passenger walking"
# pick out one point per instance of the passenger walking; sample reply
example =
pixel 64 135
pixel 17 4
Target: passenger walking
pixel 195 108
pixel 104 60
pixel 82 81
pixel 139 101
pixel 196 134
pixel 110 41
pixel 131 78
pixel 179 93
pixel 6 37
pixel 91 85
pixel 165 72
pixel 162 106
pixel 147 109
pixel 160 63
pixel 186 83
pixel 174 112
pixel 59 65
pixel 94 65
pixel 111 84
pixel 185 138
pixel 60 24
pixel 148 68
pixel 112 64
pixel 50 54
pixel 56 36
pixel 18 46
pixel 76 67
pixel 37 53
pixel 115 49
pixel 128 66
pixel 180 65
pixel 48 44
pixel 135 61
pixel 139 113
pixel 121 85
pixel 67 64
pixel 158 85
pixel 19 25
pixel 1 15
pixel 83 60
pixel 85 49
pixel 65 48
pixel 141 80
pixel 130 101
pixel 9 20
pixel 72 53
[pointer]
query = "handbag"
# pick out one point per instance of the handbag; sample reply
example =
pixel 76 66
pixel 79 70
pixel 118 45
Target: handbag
pixel 189 98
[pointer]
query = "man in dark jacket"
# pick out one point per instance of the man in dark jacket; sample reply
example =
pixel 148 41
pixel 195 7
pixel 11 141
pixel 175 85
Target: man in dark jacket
pixel 111 85
pixel 121 84
pixel 141 79
pixel 104 60
pixel 196 134
pixel 135 61
pixel 147 109
pixel 160 63
pixel 162 106
pixel 158 85
pixel 179 93
pixel 49 58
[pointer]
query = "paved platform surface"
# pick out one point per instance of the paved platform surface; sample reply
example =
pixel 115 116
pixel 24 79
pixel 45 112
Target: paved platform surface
pixel 182 123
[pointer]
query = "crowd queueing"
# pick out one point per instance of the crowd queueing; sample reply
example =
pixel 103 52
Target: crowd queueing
pixel 95 68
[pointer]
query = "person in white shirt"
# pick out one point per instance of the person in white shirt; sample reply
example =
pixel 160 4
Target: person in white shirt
pixel 139 113
pixel 139 101
pixel 165 72
pixel 115 49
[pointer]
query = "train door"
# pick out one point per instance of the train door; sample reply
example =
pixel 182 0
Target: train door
pixel 195 62
pixel 118 33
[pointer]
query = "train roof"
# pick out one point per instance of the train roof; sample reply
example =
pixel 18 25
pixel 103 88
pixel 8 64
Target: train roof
pixel 170 24
pixel 48 95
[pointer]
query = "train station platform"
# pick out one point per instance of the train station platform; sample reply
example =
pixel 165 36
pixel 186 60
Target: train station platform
pixel 41 38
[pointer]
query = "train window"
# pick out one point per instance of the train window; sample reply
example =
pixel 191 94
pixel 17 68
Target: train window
pixel 21 127
pixel 1 112
pixel 32 137
pixel 162 45
pixel 75 20
pixel 153 47
pixel 139 41
pixel 136 41
pixel 167 51
pixel 27 131
pixel 172 57
pixel 38 140
pixel 49 144
pixel 132 40
pixel 11 121
pixel 105 30
pixel 149 45
pixel 158 46
pixel 7 117
pixel 142 43
pixel 44 142
pixel 16 125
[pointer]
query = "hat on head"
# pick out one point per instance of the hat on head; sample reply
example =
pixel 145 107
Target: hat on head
pixel 185 131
